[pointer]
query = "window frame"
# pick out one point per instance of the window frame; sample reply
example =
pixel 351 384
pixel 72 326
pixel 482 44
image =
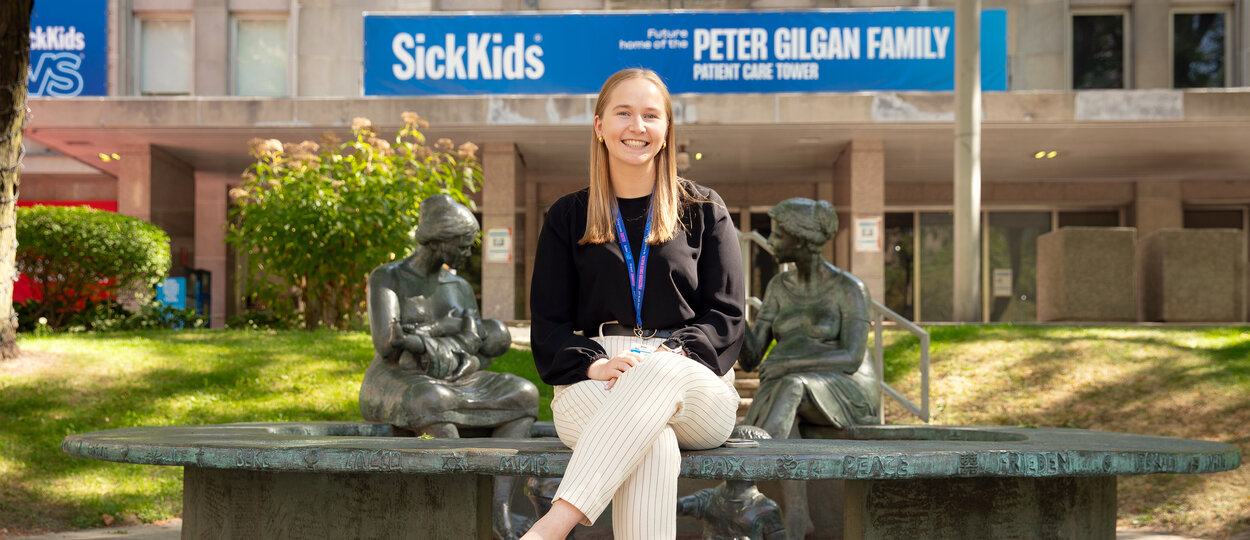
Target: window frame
pixel 1186 9
pixel 232 47
pixel 1125 13
pixel 136 78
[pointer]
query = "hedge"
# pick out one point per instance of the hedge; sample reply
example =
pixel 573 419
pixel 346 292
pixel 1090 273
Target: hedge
pixel 75 255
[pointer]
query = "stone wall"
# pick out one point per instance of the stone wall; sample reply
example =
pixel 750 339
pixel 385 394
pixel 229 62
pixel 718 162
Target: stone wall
pixel 1192 275
pixel 1086 274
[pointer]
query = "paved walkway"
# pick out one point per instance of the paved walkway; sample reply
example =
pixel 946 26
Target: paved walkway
pixel 172 530
pixel 520 332
pixel 169 530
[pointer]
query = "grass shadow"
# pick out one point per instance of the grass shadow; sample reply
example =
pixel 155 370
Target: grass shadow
pixel 1180 382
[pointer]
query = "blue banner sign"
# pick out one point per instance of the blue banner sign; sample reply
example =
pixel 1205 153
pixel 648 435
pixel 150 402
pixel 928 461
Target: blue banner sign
pixel 68 48
pixel 704 52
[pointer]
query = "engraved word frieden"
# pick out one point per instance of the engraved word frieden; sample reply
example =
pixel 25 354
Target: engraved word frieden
pixel 1034 463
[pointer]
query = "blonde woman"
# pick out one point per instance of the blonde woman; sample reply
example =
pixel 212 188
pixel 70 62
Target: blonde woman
pixel 637 308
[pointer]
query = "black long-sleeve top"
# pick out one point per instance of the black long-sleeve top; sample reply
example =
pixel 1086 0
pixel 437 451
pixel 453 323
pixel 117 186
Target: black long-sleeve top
pixel 693 283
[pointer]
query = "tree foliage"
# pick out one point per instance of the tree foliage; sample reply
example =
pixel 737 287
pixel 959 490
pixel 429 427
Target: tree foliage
pixel 312 219
pixel 74 255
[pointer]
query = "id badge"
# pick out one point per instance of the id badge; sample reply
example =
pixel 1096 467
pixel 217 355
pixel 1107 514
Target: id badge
pixel 643 347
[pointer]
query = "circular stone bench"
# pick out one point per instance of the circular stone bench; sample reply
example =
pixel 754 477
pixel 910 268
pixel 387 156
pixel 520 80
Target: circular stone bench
pixel 360 480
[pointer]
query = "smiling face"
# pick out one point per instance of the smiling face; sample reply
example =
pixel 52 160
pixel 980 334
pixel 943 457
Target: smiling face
pixel 633 124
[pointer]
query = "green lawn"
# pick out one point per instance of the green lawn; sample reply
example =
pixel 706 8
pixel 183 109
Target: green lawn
pixel 1179 382
pixel 85 382
pixel 1176 382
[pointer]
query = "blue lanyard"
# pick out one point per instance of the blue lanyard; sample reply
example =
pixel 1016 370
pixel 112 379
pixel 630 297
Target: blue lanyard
pixel 637 281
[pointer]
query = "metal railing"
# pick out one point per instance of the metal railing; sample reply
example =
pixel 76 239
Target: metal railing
pixel 878 355
pixel 879 314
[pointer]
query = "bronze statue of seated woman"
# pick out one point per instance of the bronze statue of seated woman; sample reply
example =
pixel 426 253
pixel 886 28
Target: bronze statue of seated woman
pixel 432 347
pixel 818 372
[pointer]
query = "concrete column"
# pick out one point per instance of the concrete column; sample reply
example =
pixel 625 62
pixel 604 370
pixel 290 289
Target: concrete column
pixel 134 182
pixel 1159 205
pixel 210 240
pixel 119 36
pixel 967 289
pixel 860 174
pixel 211 28
pixel 157 187
pixel 1152 59
pixel 501 167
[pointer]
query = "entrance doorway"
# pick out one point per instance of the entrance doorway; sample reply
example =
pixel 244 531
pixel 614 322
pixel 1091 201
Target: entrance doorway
pixel 919 260
pixel 1010 249
pixel 918 264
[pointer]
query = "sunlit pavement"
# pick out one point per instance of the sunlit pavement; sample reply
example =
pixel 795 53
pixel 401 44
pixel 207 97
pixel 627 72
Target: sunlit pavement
pixel 168 530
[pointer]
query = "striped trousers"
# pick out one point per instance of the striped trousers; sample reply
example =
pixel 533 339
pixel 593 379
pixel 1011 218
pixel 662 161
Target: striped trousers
pixel 626 441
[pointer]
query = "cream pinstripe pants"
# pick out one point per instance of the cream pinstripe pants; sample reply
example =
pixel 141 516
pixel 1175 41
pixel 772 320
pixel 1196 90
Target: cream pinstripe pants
pixel 626 441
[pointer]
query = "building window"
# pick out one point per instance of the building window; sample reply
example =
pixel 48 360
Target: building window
pixel 164 57
pixel 1089 218
pixel 1098 51
pixel 260 57
pixel 1199 50
pixel 1214 219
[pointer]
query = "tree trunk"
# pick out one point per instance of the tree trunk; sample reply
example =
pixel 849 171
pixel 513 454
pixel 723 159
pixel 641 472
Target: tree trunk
pixel 14 65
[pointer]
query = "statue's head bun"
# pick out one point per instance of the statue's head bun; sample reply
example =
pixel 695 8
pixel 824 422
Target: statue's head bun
pixel 813 221
pixel 442 218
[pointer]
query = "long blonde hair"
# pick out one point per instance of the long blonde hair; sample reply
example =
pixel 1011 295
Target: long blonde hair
pixel 669 195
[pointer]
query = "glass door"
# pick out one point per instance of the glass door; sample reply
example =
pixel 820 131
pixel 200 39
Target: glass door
pixel 1009 284
pixel 900 258
pixel 935 247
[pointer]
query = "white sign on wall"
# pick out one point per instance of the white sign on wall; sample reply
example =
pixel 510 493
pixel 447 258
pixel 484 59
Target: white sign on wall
pixel 1002 282
pixel 868 235
pixel 498 246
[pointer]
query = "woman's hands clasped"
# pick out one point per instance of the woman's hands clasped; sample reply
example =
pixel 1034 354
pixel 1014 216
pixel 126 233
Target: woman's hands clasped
pixel 609 369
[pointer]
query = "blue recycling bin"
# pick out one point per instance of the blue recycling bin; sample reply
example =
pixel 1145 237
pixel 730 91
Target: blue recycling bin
pixel 190 291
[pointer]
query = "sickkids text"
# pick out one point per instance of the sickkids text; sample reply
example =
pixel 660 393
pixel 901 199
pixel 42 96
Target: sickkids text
pixel 717 53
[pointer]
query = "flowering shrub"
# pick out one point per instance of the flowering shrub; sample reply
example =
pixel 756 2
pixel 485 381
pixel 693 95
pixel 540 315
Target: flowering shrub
pixel 76 256
pixel 311 220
